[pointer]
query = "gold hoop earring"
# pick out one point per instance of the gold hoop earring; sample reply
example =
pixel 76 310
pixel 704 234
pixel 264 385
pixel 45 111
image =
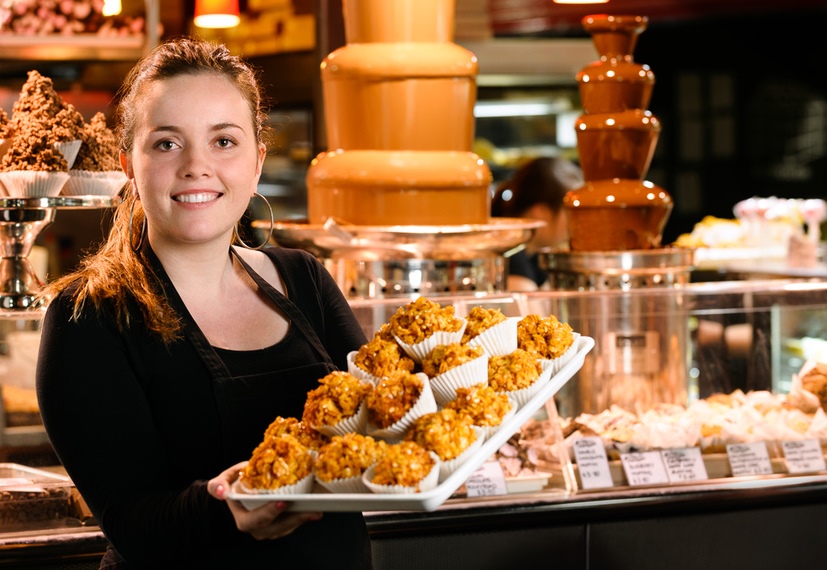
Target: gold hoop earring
pixel 136 247
pixel 269 233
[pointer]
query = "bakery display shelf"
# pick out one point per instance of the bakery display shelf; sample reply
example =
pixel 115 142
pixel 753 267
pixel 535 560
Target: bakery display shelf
pixel 79 47
pixel 717 468
pixel 433 498
pixel 61 202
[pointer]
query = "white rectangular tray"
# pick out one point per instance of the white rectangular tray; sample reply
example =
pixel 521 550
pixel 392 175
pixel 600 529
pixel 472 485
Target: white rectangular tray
pixel 433 498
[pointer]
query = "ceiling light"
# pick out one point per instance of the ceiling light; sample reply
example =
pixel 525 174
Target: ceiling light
pixel 216 13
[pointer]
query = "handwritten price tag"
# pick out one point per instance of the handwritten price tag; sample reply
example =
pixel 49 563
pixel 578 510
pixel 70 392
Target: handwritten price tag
pixel 592 463
pixel 644 468
pixel 749 459
pixel 487 480
pixel 803 456
pixel 685 464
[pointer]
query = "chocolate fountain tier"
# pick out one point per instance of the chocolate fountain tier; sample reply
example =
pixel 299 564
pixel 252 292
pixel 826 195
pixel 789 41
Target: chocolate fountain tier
pixel 418 188
pixel 616 214
pixel 380 261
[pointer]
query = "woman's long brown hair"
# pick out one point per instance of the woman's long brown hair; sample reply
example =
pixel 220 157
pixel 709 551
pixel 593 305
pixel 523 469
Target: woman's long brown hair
pixel 117 274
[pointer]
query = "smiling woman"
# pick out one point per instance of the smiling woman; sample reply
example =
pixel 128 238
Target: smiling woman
pixel 181 344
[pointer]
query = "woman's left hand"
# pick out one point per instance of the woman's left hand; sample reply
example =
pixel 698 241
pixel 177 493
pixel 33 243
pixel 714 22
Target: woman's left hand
pixel 265 522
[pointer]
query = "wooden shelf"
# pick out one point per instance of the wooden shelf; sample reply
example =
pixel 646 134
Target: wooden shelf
pixel 82 47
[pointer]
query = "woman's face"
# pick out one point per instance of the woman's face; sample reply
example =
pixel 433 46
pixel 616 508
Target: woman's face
pixel 195 163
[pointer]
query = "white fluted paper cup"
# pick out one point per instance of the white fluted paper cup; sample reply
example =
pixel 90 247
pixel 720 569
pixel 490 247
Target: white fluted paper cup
pixel 33 183
pixel 426 484
pixel 90 183
pixel 352 424
pixel 419 351
pixel 522 396
pixel 302 486
pixel 425 404
pixel 345 485
pixel 552 366
pixel 465 375
pixel 69 150
pixel 360 372
pixel 499 339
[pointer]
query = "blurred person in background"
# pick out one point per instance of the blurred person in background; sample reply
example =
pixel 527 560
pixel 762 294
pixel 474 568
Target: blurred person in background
pixel 536 191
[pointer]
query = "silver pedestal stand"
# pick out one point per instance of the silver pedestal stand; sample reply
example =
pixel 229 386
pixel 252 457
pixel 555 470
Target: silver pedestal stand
pixel 21 221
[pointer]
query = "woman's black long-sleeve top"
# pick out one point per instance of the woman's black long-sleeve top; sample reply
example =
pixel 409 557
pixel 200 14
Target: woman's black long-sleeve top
pixel 141 426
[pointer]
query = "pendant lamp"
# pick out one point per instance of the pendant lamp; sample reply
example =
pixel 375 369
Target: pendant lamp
pixel 216 13
pixel 111 7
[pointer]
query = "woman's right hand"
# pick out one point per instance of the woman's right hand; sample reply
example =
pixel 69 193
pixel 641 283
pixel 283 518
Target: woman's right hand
pixel 266 522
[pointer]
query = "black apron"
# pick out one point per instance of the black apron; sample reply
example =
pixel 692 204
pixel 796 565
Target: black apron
pixel 247 404
pixel 244 417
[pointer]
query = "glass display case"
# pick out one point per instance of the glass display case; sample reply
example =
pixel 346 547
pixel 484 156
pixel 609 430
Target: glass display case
pixel 668 351
pixel 730 337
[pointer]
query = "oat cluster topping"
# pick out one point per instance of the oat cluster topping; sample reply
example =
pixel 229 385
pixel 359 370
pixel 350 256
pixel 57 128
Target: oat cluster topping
pixel 514 371
pixel 99 151
pixel 41 119
pixel 444 432
pixel 348 455
pixel 32 150
pixel 480 319
pixel 393 397
pixel 306 435
pixel 444 357
pixel 5 126
pixel 545 337
pixel 39 107
pixel 338 397
pixel 381 356
pixel 277 462
pixel 484 405
pixel 421 318
pixel 405 463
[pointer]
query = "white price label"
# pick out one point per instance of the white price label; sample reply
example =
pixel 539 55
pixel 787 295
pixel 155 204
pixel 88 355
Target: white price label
pixel 644 468
pixel 749 459
pixel 803 456
pixel 487 480
pixel 684 464
pixel 592 463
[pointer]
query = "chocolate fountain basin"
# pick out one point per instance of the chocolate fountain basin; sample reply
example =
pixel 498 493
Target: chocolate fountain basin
pixel 384 261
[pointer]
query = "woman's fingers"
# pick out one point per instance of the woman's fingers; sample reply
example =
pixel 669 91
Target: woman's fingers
pixel 269 521
pixel 219 486
pixel 284 525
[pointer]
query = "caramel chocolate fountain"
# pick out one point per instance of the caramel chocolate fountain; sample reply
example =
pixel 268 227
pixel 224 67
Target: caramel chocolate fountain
pixel 399 204
pixel 616 221
pixel 399 103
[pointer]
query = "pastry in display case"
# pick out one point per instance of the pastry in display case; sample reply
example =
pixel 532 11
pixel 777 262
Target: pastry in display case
pixel 33 499
pixel 763 229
